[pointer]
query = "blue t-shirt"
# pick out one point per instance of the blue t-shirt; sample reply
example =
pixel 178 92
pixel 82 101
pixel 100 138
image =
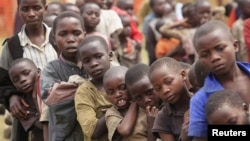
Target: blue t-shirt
pixel 198 124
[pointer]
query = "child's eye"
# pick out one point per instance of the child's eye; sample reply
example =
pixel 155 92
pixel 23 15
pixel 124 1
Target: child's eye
pixel 62 34
pixel 122 87
pixel 220 48
pixel 110 92
pixel 26 73
pixel 98 56
pixel 138 98
pixel 77 33
pixel 157 88
pixel 85 60
pixel 149 92
pixel 204 55
pixel 24 9
pixel 37 8
pixel 168 81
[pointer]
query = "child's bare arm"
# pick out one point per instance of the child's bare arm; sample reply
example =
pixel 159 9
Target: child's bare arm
pixel 127 125
pixel 100 128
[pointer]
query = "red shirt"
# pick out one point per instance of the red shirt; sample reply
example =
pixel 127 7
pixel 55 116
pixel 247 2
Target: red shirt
pixel 135 33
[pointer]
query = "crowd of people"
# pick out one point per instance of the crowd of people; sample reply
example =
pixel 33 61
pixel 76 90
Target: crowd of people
pixel 75 71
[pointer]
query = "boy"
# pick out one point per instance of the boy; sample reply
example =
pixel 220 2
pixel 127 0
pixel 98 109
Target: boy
pixel 168 79
pixel 141 90
pixel 216 48
pixel 24 74
pixel 123 118
pixel 31 42
pixel 226 107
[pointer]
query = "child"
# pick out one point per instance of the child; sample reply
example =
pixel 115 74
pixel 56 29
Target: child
pixel 32 42
pixel 121 119
pixel 142 92
pixel 68 31
pixel 129 53
pixel 24 74
pixel 71 7
pixel 216 48
pixel 226 107
pixel 90 99
pixel 55 7
pixel 168 80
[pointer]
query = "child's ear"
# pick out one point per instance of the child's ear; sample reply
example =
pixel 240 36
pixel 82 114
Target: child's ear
pixel 246 108
pixel 38 71
pixel 110 55
pixel 236 45
pixel 183 74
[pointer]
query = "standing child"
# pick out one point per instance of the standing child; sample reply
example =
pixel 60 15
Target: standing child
pixel 122 116
pixel 142 92
pixel 24 74
pixel 68 31
pixel 216 48
pixel 226 107
pixel 90 99
pixel 129 53
pixel 168 79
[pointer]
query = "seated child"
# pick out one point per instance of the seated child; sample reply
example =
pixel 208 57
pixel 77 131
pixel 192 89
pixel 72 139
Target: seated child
pixel 24 75
pixel 91 99
pixel 121 118
pixel 129 52
pixel 168 78
pixel 226 107
pixel 142 92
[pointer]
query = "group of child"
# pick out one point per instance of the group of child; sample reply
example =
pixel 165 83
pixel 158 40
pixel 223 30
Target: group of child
pixel 83 95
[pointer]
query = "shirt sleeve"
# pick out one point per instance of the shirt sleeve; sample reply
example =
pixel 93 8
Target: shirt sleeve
pixel 161 124
pixel 49 77
pixel 198 122
pixel 85 110
pixel 113 119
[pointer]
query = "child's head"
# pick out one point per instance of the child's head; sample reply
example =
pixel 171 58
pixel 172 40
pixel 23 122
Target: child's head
pixel 23 73
pixel 79 3
pixel 216 47
pixel 34 18
pixel 115 87
pixel 226 107
pixel 100 3
pixel 55 7
pixel 49 18
pixel 19 2
pixel 95 56
pixel 72 7
pixel 140 87
pixel 126 32
pixel 68 32
pixel 188 12
pixel 126 5
pixel 90 13
pixel 168 79
pixel 158 6
pixel 244 7
pixel 203 11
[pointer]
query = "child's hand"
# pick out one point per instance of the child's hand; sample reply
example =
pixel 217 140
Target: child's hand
pixel 152 111
pixel 18 106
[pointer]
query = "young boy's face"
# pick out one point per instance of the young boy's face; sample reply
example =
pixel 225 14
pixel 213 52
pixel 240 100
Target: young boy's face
pixel 23 76
pixel 217 51
pixel 31 12
pixel 229 115
pixel 95 59
pixel 158 6
pixel 168 84
pixel 91 15
pixel 68 35
pixel 143 93
pixel 116 90
pixel 126 26
pixel 204 12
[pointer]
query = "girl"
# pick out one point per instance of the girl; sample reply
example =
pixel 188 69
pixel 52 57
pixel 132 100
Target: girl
pixel 68 31
pixel 90 98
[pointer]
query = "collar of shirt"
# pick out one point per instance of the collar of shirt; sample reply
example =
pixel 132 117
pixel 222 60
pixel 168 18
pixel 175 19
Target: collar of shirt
pixel 24 39
pixel 212 84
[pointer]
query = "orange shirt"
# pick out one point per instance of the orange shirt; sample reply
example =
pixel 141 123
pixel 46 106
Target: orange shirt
pixel 164 46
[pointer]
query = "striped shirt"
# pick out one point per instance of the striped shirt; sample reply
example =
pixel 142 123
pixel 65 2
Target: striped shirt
pixel 39 55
